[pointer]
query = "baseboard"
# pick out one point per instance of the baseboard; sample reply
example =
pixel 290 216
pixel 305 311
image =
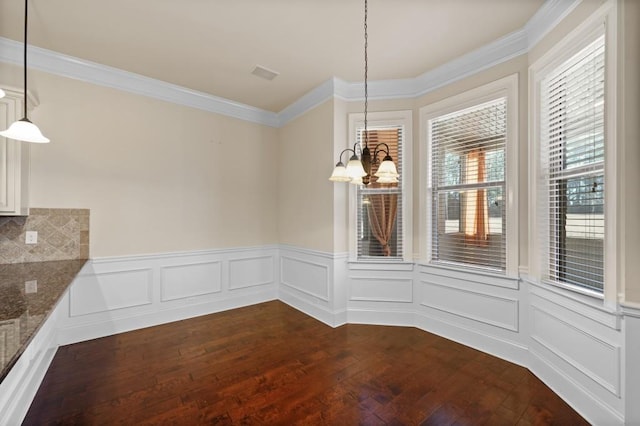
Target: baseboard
pixel 332 319
pixel 493 345
pixel 97 329
pixel 20 386
pixel 381 317
pixel 579 398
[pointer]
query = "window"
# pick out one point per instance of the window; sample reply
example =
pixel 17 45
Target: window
pixel 380 217
pixel 470 144
pixel 468 164
pixel 571 181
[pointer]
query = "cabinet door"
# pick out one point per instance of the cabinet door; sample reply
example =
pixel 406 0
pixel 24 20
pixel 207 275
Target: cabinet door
pixel 14 165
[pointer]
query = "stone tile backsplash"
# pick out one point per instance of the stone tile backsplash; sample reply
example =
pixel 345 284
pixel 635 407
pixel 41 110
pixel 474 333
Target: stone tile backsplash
pixel 63 234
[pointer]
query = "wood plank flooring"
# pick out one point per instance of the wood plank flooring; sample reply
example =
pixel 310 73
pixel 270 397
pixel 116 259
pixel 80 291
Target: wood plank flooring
pixel 270 364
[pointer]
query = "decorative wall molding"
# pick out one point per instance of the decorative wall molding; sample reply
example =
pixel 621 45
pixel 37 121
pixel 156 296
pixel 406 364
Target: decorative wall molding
pixel 590 308
pixel 310 278
pixel 103 75
pixel 381 289
pixel 595 358
pixel 580 398
pixel 113 295
pixel 110 291
pixel 247 272
pixel 517 43
pixel 189 280
pixel 477 306
pixel 497 345
pixel 546 18
pixel 470 276
pixel 569 345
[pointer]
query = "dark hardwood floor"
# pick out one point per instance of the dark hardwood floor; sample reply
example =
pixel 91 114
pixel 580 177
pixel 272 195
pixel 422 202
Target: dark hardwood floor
pixel 270 364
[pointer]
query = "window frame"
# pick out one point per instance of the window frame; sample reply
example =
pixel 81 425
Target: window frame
pixel 507 88
pixel 602 22
pixel 402 118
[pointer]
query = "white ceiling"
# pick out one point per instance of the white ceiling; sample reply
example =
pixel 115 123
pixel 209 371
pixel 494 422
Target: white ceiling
pixel 213 45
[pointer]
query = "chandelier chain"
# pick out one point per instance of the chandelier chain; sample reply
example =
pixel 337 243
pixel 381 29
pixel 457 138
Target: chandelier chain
pixel 366 74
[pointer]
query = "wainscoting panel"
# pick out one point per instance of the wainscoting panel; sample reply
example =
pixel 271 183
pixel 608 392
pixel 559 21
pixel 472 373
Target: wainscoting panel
pixel 597 359
pixel 476 309
pixel 114 295
pixel 481 307
pixel 305 276
pixel 311 281
pixel 110 291
pixel 251 272
pixel 373 289
pixel 576 347
pixel 196 279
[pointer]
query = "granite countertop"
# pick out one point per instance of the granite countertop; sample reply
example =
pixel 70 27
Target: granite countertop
pixel 28 294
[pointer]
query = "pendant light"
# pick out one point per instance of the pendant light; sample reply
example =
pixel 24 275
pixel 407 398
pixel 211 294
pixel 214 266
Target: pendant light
pixel 358 169
pixel 2 93
pixel 23 129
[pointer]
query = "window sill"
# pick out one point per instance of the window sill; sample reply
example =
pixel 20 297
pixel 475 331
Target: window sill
pixel 478 275
pixel 591 306
pixel 376 265
pixel 583 295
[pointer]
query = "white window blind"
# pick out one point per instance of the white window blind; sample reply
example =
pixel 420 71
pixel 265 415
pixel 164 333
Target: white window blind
pixel 572 160
pixel 379 206
pixel 467 185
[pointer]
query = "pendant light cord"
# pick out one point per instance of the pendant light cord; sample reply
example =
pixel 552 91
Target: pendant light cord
pixel 366 74
pixel 25 56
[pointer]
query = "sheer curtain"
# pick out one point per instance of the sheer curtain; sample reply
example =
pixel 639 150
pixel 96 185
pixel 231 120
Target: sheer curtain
pixel 382 218
pixel 476 227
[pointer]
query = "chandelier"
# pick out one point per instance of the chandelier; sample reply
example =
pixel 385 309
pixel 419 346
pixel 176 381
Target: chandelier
pixel 358 168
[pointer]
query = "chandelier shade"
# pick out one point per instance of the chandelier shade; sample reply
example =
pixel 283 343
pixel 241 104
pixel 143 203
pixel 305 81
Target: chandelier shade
pixel 387 168
pixel 339 173
pixel 355 169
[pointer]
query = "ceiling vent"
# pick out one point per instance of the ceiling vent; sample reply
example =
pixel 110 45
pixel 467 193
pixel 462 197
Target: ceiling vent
pixel 265 73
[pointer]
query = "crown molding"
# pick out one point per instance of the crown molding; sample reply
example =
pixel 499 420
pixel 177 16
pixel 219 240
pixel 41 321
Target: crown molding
pixel 546 18
pixel 102 75
pixel 319 95
pixel 512 45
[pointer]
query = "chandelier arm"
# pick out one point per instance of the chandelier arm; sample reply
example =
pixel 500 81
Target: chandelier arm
pixel 343 151
pixel 377 150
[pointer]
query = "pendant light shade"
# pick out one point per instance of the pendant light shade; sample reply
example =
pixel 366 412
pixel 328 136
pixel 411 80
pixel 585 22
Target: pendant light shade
pixel 2 93
pixel 339 173
pixel 355 168
pixel 23 129
pixel 357 181
pixel 387 179
pixel 387 168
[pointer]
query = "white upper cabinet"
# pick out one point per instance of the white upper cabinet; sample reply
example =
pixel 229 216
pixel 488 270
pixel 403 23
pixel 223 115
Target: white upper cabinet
pixel 14 159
